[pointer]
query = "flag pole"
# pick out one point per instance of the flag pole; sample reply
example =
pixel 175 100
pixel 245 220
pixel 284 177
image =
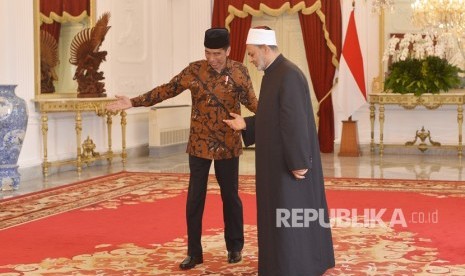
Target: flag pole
pixel 349 136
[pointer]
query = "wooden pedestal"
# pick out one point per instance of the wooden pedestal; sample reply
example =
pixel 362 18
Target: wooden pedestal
pixel 349 139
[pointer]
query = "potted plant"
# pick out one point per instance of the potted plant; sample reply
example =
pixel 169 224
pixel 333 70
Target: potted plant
pixel 428 75
pixel 418 65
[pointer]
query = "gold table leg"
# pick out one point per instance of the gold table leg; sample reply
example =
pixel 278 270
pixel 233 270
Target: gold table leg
pixel 372 124
pixel 78 141
pixel 381 127
pixel 109 125
pixel 460 122
pixel 44 129
pixel 123 137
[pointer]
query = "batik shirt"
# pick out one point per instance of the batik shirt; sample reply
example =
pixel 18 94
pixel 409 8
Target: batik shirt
pixel 214 96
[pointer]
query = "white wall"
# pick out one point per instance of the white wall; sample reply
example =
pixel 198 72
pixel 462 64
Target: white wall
pixel 17 66
pixel 148 43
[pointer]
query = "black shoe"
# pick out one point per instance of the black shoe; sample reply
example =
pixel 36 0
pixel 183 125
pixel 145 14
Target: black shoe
pixel 234 257
pixel 190 262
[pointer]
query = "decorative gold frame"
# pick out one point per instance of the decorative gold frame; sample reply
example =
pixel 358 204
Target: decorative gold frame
pixel 36 11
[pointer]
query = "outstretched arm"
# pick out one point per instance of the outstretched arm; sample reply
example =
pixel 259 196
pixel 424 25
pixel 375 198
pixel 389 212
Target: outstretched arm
pixel 121 103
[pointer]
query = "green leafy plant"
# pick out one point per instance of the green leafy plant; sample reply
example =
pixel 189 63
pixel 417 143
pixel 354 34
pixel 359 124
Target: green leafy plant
pixel 429 75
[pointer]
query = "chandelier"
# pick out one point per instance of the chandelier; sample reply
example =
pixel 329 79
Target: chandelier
pixel 446 19
pixel 440 15
pixel 379 5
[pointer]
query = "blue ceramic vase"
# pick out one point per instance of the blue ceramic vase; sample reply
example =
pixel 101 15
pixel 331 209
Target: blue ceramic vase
pixel 13 123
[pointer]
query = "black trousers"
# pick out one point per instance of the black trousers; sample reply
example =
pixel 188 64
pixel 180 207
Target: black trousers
pixel 227 174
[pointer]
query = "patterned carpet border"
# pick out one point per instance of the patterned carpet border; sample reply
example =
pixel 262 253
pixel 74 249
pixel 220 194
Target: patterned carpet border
pixel 73 196
pixel 398 185
pixel 57 200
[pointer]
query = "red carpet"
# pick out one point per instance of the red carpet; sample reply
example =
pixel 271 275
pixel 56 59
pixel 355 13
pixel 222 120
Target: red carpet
pixel 134 224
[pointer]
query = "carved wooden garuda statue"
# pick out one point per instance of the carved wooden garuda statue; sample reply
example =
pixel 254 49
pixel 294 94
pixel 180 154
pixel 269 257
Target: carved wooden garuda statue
pixel 86 56
pixel 48 62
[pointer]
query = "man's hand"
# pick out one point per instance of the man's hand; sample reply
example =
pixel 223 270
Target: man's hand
pixel 238 123
pixel 121 103
pixel 299 174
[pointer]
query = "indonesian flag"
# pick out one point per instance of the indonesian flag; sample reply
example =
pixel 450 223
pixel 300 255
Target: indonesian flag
pixel 351 94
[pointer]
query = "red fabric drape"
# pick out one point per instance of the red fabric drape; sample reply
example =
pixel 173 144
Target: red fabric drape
pixel 320 65
pixel 220 12
pixel 72 7
pixel 53 29
pixel 273 4
pixel 239 27
pixel 239 30
pixel 319 56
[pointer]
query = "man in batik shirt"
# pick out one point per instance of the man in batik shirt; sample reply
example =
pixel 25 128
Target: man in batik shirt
pixel 218 86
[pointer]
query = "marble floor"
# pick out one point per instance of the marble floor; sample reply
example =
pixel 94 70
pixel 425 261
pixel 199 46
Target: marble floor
pixel 391 166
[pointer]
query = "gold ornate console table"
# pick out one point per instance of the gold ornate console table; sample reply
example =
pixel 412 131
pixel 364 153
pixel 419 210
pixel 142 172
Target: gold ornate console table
pixel 410 101
pixel 85 153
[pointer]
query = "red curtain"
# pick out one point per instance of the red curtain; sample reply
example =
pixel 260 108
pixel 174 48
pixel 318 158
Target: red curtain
pixel 319 56
pixel 320 65
pixel 239 27
pixel 53 29
pixel 72 7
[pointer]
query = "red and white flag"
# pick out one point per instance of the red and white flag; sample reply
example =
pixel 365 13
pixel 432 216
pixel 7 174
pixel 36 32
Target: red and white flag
pixel 351 93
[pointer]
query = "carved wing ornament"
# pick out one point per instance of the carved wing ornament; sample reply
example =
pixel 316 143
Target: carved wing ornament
pixel 89 40
pixel 80 46
pixel 86 56
pixel 48 61
pixel 99 31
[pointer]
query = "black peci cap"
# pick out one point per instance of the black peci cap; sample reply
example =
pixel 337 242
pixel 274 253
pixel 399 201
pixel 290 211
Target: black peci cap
pixel 216 38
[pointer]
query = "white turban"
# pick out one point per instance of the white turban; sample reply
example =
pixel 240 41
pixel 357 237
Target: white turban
pixel 261 37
